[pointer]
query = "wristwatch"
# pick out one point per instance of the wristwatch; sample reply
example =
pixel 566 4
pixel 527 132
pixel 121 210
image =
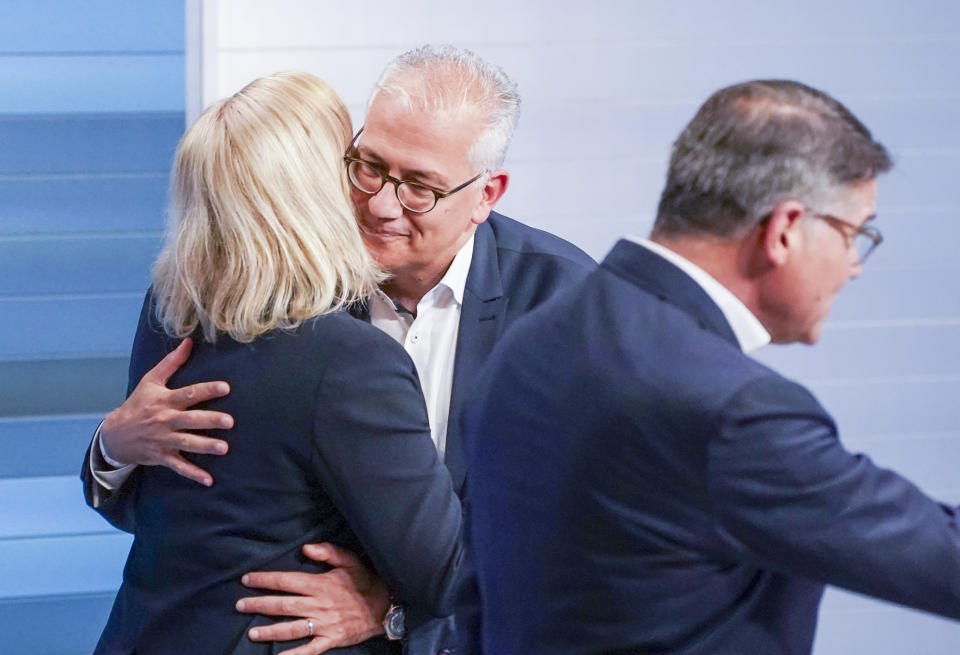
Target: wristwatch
pixel 393 622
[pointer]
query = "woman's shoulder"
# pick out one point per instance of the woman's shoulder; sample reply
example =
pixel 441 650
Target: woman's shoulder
pixel 351 351
pixel 351 337
pixel 342 327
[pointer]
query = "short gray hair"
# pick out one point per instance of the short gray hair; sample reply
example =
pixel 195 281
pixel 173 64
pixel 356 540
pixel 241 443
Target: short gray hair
pixel 753 145
pixel 446 78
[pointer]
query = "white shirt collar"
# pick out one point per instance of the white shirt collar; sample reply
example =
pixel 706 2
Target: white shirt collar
pixel 750 333
pixel 430 338
pixel 455 278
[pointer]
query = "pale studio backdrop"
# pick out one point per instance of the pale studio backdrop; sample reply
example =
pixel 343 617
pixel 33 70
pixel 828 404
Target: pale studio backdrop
pixel 608 84
pixel 92 100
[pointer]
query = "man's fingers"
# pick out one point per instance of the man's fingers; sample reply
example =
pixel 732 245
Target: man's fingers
pixel 281 631
pixel 187 470
pixel 319 645
pixel 169 364
pixel 289 581
pixel 289 630
pixel 197 393
pixel 199 419
pixel 332 555
pixel 296 606
pixel 195 443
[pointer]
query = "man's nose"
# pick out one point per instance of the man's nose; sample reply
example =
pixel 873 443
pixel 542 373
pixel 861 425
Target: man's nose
pixel 384 203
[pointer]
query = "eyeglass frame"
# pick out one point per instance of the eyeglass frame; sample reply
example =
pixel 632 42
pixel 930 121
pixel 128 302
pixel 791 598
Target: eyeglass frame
pixel 872 233
pixel 438 195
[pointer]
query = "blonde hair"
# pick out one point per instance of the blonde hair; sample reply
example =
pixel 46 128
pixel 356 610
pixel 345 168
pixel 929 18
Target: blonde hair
pixel 262 234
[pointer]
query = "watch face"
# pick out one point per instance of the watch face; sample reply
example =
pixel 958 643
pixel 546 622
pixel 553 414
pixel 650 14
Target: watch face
pixel 393 623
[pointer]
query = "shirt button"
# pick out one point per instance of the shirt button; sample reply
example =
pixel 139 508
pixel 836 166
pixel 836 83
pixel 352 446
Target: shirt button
pixel 415 338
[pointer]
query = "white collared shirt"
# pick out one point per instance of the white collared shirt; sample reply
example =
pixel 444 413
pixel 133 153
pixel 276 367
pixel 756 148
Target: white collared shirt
pixel 750 333
pixel 430 337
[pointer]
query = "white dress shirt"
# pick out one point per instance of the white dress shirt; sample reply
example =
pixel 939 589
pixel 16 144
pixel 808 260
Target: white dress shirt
pixel 750 333
pixel 430 337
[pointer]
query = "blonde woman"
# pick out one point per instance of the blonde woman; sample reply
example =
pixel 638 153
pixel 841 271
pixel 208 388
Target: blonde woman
pixel 331 441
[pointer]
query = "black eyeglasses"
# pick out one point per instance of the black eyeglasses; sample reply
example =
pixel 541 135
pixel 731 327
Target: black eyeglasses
pixel 865 238
pixel 419 198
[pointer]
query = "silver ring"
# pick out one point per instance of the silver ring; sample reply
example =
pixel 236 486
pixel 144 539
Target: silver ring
pixel 309 627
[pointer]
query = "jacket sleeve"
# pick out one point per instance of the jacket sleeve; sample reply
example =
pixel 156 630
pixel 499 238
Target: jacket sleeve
pixel 150 345
pixel 469 617
pixel 788 496
pixel 375 458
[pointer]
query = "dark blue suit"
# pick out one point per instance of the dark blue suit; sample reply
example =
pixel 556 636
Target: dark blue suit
pixel 638 484
pixel 514 269
pixel 331 443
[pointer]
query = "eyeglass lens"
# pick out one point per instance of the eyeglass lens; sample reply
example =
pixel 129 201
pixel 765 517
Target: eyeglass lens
pixel 370 180
pixel 863 244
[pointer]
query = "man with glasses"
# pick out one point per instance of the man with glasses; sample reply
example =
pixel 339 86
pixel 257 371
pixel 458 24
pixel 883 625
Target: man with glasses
pixel 664 492
pixel 425 173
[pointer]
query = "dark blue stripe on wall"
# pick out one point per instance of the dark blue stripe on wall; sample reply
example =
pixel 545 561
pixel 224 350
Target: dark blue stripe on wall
pixel 71 143
pixel 83 204
pixel 62 441
pixel 66 625
pixel 62 386
pixel 82 265
pixel 98 25
pixel 50 327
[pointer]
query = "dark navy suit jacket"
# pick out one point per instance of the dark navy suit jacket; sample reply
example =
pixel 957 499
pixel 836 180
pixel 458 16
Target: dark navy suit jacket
pixel 514 269
pixel 331 443
pixel 638 484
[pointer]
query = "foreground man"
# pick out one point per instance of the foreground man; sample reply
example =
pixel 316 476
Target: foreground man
pixel 426 171
pixel 662 491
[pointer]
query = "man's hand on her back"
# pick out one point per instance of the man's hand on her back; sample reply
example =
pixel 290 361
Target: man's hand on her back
pixel 149 427
pixel 341 607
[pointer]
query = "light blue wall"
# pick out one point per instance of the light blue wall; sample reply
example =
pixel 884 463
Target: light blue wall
pixel 91 108
pixel 888 365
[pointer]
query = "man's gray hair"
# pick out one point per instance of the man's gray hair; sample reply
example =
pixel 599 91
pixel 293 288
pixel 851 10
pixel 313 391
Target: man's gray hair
pixel 446 78
pixel 753 145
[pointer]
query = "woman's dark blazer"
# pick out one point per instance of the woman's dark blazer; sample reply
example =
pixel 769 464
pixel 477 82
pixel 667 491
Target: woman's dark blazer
pixel 330 443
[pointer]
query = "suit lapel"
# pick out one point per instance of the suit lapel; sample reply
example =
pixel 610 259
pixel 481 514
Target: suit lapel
pixel 481 323
pixel 659 277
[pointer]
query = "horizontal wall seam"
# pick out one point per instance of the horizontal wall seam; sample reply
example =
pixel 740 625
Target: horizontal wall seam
pixel 893 323
pixel 81 236
pixel 56 297
pixel 75 175
pixel 60 535
pixel 91 53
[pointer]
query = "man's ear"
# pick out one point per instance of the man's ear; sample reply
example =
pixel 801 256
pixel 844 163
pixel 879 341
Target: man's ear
pixel 493 190
pixel 783 233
